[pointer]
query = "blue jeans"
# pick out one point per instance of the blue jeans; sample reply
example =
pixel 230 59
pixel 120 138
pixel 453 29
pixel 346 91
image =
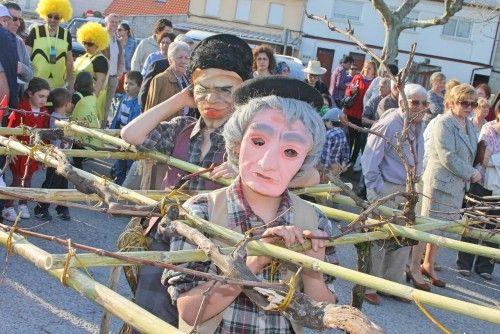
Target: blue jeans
pixel 121 168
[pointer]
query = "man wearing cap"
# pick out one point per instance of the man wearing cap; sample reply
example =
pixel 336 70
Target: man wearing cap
pixel 314 71
pixel 218 65
pixel 335 154
pixel 8 62
pixel 269 139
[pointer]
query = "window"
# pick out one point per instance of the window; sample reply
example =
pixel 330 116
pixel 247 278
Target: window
pixel 275 14
pixel 458 27
pixel 243 10
pixel 212 7
pixel 349 10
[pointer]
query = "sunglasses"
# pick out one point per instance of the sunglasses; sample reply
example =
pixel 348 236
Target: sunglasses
pixel 467 104
pixel 54 17
pixel 88 43
pixel 416 103
pixel 16 18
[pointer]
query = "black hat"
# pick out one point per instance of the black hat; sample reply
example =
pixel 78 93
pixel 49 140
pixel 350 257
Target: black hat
pixel 279 86
pixel 223 51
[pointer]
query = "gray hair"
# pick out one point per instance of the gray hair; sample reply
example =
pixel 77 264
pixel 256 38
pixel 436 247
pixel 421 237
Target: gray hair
pixel 176 47
pixel 414 90
pixel 386 82
pixel 109 16
pixel 292 109
pixel 183 38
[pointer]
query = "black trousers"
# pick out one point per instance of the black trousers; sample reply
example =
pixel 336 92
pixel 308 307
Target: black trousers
pixel 357 140
pixel 52 181
pixel 466 260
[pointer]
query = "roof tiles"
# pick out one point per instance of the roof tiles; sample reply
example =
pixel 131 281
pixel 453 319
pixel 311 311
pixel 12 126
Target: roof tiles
pixel 148 7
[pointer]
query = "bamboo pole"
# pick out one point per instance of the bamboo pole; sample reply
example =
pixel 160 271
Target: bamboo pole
pixel 113 302
pixel 27 131
pixel 91 154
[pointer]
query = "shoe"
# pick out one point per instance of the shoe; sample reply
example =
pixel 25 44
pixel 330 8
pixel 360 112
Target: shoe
pixel 357 167
pixel 43 215
pixel 2 182
pixel 421 286
pixel 486 276
pixel 434 281
pixel 9 214
pixel 63 213
pixel 464 272
pixel 372 298
pixel 24 210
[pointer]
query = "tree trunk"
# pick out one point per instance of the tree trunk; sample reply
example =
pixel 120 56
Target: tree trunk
pixel 364 265
pixel 390 50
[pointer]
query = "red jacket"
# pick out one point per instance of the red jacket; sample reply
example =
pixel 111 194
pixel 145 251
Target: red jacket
pixel 18 166
pixel 356 110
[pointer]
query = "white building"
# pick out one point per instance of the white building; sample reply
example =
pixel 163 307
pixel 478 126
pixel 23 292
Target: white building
pixel 79 6
pixel 464 48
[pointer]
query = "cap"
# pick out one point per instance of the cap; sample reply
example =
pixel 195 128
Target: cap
pixel 4 11
pixel 333 114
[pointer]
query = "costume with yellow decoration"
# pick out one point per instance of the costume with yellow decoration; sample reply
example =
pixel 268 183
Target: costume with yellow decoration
pixel 50 50
pixel 94 62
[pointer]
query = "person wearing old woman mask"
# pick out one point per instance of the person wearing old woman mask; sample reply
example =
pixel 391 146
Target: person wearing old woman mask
pixel 219 64
pixel 49 45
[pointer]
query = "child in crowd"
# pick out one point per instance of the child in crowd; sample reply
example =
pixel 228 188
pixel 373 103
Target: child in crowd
pixel 32 114
pixel 128 108
pixel 335 154
pixel 84 112
pixel 61 107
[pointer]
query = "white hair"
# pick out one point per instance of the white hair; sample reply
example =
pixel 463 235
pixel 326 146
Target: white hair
pixel 414 90
pixel 176 47
pixel 292 109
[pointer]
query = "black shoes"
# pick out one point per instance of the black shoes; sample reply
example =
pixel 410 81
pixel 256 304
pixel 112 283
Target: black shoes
pixel 63 212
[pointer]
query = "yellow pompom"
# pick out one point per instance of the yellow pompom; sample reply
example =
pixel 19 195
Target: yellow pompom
pixel 95 33
pixel 61 7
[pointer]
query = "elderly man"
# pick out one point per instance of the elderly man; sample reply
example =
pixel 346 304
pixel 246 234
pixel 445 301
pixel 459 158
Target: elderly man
pixel 391 101
pixel 116 62
pixel 370 114
pixel 219 64
pixel 269 139
pixel 385 174
pixel 24 68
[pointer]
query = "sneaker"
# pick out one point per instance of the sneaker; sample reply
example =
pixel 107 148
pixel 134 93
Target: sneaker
pixel 357 166
pixel 63 213
pixel 2 182
pixel 9 214
pixel 25 212
pixel 43 215
pixel 464 272
pixel 486 276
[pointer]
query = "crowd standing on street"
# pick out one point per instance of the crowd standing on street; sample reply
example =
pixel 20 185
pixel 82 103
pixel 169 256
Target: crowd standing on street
pixel 236 112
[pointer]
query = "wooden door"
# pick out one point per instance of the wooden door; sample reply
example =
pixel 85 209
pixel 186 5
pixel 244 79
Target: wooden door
pixel 325 57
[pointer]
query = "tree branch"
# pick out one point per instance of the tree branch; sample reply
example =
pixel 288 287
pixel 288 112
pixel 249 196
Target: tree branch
pixel 451 7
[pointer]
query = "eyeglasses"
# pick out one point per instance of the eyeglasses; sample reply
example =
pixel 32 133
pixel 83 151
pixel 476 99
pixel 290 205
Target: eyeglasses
pixel 120 29
pixel 417 103
pixel 88 43
pixel 467 104
pixel 220 93
pixel 182 58
pixel 54 17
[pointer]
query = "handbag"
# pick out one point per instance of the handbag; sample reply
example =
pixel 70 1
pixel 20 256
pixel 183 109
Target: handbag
pixel 348 101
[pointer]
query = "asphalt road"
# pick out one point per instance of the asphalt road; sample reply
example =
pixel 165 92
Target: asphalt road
pixel 31 301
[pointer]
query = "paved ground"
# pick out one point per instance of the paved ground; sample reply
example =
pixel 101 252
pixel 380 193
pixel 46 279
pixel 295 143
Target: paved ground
pixel 34 302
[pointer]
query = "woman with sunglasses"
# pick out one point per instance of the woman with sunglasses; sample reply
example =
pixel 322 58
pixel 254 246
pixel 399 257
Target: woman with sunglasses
pixel 94 39
pixel 49 45
pixel 449 170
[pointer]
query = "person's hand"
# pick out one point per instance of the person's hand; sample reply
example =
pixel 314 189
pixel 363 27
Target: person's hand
pixel 289 234
pixel 345 167
pixel 223 170
pixel 187 97
pixel 476 177
pixel 317 250
pixel 354 88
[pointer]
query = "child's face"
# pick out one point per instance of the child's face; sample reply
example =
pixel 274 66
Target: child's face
pixel 131 88
pixel 39 99
pixel 328 124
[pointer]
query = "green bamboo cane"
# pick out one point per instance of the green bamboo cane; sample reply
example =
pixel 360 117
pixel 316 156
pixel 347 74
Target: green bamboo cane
pixel 113 302
pixel 92 154
pixel 27 131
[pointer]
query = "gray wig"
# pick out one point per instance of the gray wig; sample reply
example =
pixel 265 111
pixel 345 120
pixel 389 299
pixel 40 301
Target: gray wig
pixel 292 109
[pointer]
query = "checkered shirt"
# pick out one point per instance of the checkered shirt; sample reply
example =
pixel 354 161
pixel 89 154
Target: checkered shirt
pixel 336 148
pixel 162 139
pixel 242 316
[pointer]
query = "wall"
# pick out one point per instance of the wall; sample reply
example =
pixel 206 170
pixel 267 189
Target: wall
pixel 79 6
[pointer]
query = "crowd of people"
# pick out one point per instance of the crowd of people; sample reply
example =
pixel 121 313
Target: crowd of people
pixel 219 103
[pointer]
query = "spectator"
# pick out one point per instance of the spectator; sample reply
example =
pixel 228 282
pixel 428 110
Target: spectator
pixel 49 45
pixel 483 90
pixel 33 114
pixel 436 96
pixel 314 71
pixel 390 101
pixel 219 63
pixel 449 170
pixel 24 68
pixel 149 45
pixel 94 39
pixel 335 154
pixel 127 110
pixel 282 69
pixel 127 42
pixel 479 114
pixel 8 62
pixel 163 41
pixel 155 69
pixel 340 80
pixel 385 174
pixel 263 61
pixel 114 54
pixel 373 89
pixel 370 114
pixel 61 107
pixel 490 136
pixel 173 80
pixel 358 86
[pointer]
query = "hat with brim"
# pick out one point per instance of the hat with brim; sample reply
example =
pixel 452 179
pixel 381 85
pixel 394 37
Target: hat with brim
pixel 279 86
pixel 4 11
pixel 333 115
pixel 314 67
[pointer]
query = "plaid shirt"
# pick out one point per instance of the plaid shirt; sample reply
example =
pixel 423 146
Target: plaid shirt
pixel 162 139
pixel 242 316
pixel 336 148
